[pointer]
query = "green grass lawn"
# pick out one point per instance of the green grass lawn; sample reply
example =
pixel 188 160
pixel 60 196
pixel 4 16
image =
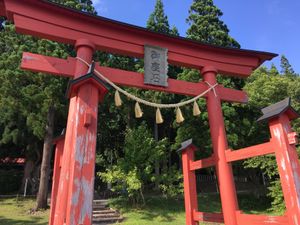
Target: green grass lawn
pixel 170 211
pixel 157 210
pixel 16 211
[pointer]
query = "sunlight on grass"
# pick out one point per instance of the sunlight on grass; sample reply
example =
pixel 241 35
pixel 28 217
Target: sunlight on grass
pixel 16 211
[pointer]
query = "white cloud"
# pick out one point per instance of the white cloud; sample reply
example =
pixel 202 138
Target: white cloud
pixel 100 6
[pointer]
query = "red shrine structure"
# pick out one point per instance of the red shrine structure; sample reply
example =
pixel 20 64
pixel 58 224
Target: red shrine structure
pixel 73 184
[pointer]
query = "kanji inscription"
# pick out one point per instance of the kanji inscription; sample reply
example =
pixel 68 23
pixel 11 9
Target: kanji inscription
pixel 156 66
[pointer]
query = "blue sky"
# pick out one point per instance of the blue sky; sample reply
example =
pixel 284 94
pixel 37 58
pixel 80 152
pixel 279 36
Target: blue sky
pixel 265 25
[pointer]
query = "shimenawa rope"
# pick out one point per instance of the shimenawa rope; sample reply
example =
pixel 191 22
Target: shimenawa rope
pixel 145 102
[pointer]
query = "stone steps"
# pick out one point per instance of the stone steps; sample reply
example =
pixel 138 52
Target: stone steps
pixel 103 215
pixel 103 211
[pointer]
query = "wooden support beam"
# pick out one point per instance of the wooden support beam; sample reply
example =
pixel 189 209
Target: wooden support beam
pixel 47 64
pixel 244 219
pixel 189 181
pixel 203 163
pixel 65 67
pixel 253 151
pixel 209 217
pixel 59 148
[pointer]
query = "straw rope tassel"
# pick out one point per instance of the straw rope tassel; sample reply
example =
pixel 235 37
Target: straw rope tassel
pixel 138 111
pixel 159 118
pixel 196 109
pixel 118 100
pixel 179 117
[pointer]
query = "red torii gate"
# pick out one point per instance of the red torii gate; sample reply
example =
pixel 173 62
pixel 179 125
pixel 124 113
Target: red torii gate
pixel 89 33
pixel 282 144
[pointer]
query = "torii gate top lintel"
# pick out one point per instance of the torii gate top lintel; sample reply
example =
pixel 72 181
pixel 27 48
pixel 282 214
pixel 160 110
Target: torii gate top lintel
pixel 40 18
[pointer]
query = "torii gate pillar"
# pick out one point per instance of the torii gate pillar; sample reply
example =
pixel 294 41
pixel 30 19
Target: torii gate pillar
pixel 76 186
pixel 220 145
pixel 59 148
pixel 285 139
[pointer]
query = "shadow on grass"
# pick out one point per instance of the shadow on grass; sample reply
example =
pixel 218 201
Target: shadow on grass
pixel 255 205
pixel 161 209
pixel 156 207
pixel 209 203
pixel 35 221
pixel 164 209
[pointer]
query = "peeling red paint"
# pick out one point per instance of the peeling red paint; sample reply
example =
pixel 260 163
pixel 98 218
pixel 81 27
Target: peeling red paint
pixel 288 165
pixel 77 182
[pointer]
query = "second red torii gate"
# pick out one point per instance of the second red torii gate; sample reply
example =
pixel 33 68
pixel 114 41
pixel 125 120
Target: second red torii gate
pixel 282 144
pixel 89 33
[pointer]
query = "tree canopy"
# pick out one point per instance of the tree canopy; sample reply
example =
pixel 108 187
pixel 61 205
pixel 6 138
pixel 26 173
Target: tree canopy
pixel 206 25
pixel 158 20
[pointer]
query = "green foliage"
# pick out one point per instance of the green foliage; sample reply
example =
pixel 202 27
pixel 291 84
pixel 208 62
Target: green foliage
pixel 276 87
pixel 275 192
pixel 25 96
pixel 266 163
pixel 128 183
pixel 82 5
pixel 141 150
pixel 286 67
pixel 158 21
pixel 191 75
pixel 266 87
pixel 136 168
pixel 206 26
pixel 171 182
pixel 112 124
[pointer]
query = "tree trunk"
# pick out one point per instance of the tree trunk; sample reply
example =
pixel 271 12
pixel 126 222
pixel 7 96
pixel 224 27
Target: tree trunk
pixel 156 160
pixel 45 167
pixel 28 168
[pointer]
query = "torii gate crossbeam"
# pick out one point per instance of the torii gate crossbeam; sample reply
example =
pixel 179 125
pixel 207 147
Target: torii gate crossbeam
pixel 43 19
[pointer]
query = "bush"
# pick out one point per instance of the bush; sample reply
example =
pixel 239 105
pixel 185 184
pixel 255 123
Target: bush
pixel 127 184
pixel 136 169
pixel 276 194
pixel 171 182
